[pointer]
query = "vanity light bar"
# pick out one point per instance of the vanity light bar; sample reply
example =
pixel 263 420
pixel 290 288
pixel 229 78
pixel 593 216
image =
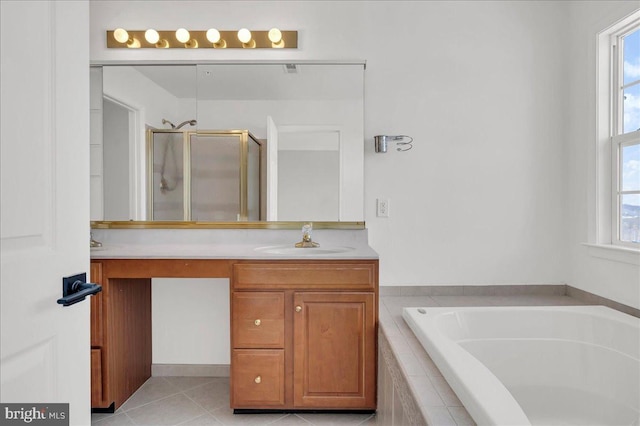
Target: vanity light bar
pixel 202 39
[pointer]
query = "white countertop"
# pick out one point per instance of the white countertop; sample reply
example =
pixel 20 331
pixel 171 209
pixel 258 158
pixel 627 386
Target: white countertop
pixel 229 244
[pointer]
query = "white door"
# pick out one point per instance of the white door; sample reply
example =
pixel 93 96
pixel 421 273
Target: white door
pixel 44 229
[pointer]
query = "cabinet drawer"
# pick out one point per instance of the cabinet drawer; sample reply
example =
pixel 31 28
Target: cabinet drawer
pixel 96 377
pixel 330 275
pixel 257 378
pixel 258 320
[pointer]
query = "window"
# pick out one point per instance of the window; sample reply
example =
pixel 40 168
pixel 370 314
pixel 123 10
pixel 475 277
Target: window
pixel 625 135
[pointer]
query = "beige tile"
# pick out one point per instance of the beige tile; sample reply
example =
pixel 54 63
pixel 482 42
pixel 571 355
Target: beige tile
pixel 410 365
pixel 507 290
pixel 204 420
pixel 395 303
pixel 388 290
pixel 424 392
pixel 372 421
pixel 329 419
pixel 101 416
pixel 534 300
pixel 447 301
pixel 290 420
pixel 397 412
pixel 165 412
pixel 446 393
pixel 120 419
pixel 225 416
pixel 398 344
pixel 461 416
pixel 212 395
pixel 186 383
pixel 428 365
pixel 438 416
pixel 432 290
pixel 153 389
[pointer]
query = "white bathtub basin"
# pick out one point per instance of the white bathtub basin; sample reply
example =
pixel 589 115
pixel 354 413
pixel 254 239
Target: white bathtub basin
pixel 289 250
pixel 568 365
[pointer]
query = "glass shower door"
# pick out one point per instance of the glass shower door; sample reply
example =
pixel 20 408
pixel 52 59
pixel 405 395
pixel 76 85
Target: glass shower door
pixel 215 177
pixel 167 201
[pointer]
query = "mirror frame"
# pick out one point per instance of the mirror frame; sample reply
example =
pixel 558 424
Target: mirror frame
pixel 139 224
pixel 157 224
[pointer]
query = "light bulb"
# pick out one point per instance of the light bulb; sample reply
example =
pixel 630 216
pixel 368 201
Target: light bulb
pixel 152 36
pixel 213 35
pixel 133 43
pixel 244 35
pixel 121 35
pixel 275 35
pixel 182 35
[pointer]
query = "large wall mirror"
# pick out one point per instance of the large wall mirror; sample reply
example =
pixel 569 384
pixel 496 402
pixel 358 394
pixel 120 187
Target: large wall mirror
pixel 231 143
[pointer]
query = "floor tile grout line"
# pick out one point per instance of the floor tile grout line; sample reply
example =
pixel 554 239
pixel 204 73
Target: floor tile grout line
pixel 196 386
pixel 280 418
pixel 130 418
pixel 303 419
pixel 152 402
pixel 193 418
pixel 367 419
pixel 205 409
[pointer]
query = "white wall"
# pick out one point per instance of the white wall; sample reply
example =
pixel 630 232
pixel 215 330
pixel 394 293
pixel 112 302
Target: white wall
pixel 613 279
pixel 483 89
pixel 115 137
pixel 190 321
pixel 480 86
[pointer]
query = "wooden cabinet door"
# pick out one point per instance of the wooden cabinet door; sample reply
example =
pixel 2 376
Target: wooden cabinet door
pixel 334 350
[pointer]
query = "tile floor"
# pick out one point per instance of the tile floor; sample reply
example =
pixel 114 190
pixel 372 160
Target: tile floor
pixel 198 401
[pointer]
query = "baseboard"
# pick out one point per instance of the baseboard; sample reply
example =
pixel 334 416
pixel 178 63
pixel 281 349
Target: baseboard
pixel 199 370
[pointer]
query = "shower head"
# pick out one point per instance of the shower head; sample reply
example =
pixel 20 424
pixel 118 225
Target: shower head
pixel 189 122
pixel 173 126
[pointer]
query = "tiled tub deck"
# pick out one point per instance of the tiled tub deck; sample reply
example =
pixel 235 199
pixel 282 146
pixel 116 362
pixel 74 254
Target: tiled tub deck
pixel 411 389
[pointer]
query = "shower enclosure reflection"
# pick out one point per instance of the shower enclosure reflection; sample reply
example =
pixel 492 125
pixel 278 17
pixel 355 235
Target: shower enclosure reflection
pixel 209 176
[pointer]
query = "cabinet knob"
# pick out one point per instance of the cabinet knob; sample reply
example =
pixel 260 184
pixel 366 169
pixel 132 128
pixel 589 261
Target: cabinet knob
pixel 298 308
pixel 257 322
pixel 258 379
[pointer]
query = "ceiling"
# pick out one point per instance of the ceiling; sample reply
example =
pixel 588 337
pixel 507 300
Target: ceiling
pixel 259 81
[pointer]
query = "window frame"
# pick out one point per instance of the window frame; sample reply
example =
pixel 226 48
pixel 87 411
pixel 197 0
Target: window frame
pixel 603 176
pixel 619 139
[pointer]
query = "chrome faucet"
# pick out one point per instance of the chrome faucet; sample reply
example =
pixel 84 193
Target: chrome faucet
pixel 306 237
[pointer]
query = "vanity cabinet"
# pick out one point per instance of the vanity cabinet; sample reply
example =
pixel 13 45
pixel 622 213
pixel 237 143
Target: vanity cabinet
pixel 97 338
pixel 120 334
pixel 303 334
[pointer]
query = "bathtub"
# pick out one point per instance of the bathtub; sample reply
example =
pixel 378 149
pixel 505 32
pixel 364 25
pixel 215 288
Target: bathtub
pixel 569 365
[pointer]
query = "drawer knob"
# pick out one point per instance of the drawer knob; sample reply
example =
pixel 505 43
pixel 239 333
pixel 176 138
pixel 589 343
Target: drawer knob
pixel 258 379
pixel 298 308
pixel 257 322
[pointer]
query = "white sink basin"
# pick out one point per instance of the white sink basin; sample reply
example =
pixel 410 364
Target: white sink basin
pixel 296 251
